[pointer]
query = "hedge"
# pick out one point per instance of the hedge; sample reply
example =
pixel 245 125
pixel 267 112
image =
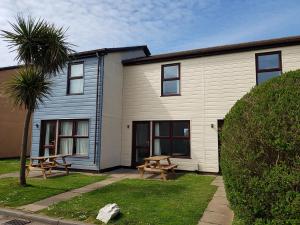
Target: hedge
pixel 260 153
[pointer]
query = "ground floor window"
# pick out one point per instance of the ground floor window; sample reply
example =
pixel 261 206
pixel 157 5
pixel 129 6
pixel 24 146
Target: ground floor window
pixel 171 138
pixel 67 137
pixel 73 137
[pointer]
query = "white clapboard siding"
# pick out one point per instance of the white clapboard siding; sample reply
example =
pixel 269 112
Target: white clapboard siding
pixel 209 88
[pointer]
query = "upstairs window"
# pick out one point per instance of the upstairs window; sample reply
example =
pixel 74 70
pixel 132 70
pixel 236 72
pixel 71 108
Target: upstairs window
pixel 170 79
pixel 171 138
pixel 268 65
pixel 75 78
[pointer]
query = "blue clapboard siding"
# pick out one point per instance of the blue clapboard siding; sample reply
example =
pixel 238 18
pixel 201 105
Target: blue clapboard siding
pixel 62 106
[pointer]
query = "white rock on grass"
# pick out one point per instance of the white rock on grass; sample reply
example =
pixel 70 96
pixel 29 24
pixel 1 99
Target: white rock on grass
pixel 108 212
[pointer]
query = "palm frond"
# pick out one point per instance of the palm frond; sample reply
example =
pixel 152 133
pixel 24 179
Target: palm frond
pixel 28 88
pixel 38 43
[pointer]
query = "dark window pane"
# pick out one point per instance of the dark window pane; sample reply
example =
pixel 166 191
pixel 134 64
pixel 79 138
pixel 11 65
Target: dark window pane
pixel 171 87
pixel 141 154
pixel 181 129
pixel 181 147
pixel 268 61
pixel 171 71
pixel 162 129
pixel 262 77
pixel 162 147
pixel 142 135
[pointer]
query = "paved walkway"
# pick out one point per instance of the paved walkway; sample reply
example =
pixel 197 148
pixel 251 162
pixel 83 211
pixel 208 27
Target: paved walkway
pixel 32 174
pixel 217 211
pixel 42 204
pixel 5 175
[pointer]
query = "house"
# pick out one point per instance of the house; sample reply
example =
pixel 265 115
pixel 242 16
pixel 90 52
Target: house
pixel 83 116
pixel 113 107
pixel 12 120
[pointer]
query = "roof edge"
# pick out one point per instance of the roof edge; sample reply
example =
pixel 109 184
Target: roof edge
pixel 217 50
pixel 10 67
pixel 92 53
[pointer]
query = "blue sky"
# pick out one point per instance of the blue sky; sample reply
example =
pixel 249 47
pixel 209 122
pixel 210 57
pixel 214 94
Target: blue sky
pixel 164 25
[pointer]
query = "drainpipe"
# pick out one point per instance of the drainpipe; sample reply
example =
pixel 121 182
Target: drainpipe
pixel 99 107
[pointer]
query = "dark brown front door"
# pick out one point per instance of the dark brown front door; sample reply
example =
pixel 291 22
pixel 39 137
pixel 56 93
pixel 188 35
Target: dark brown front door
pixel 48 137
pixel 140 142
pixel 220 126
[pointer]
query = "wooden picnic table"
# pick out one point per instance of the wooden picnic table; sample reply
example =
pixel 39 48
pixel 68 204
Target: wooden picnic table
pixel 47 163
pixel 153 164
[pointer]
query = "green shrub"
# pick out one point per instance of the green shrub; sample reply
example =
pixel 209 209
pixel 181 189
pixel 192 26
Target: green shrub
pixel 260 153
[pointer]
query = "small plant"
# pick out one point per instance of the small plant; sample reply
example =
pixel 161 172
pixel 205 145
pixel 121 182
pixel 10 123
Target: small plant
pixel 260 153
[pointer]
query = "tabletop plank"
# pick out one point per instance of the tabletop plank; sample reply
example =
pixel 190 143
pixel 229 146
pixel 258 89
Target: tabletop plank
pixel 47 157
pixel 157 158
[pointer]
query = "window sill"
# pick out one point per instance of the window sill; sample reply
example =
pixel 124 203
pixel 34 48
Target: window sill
pixel 181 157
pixel 76 94
pixel 178 157
pixel 170 95
pixel 79 156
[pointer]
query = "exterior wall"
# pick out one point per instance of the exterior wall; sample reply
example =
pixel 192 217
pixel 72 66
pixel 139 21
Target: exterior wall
pixel 209 88
pixel 62 106
pixel 111 134
pixel 11 122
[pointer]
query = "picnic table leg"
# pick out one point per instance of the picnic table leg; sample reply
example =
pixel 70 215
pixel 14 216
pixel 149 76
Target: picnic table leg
pixel 163 176
pixel 44 174
pixel 173 171
pixel 67 170
pixel 65 163
pixel 169 161
pixel 141 172
pixel 27 171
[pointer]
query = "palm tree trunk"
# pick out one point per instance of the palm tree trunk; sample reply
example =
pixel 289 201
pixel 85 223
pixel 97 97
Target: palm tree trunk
pixel 24 149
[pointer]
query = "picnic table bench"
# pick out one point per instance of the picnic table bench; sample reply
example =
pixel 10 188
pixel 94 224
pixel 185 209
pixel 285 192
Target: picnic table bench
pixel 47 163
pixel 153 164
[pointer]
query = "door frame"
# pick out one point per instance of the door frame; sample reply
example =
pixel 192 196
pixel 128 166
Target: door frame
pixel 219 131
pixel 43 133
pixel 133 151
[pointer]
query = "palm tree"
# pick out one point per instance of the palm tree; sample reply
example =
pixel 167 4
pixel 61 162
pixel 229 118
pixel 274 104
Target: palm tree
pixel 38 43
pixel 43 50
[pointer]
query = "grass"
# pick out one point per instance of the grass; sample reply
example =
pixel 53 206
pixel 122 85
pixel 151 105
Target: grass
pixel 9 165
pixel 12 195
pixel 143 202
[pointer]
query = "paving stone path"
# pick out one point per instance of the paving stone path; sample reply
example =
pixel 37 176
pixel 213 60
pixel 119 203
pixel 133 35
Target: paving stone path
pixel 217 211
pixel 32 174
pixel 6 175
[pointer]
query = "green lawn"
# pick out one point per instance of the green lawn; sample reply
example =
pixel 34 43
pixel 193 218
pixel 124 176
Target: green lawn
pixel 9 165
pixel 12 195
pixel 144 202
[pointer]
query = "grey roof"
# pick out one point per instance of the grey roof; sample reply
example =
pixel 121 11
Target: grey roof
pixel 224 49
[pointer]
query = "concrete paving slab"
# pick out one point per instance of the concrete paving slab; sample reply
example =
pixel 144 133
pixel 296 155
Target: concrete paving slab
pixel 217 211
pixel 216 218
pixel 6 175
